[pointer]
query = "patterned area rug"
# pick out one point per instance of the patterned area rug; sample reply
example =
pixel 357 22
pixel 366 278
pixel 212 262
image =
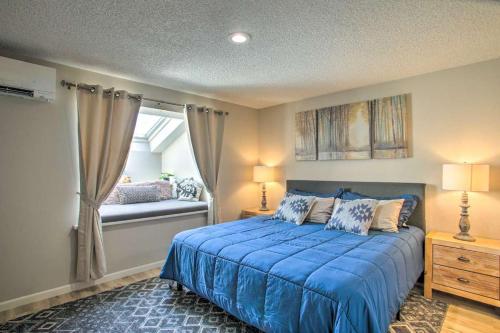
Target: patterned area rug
pixel 150 306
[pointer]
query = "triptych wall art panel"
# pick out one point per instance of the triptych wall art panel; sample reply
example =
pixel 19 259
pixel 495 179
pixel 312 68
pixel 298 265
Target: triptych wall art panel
pixel 306 129
pixel 372 129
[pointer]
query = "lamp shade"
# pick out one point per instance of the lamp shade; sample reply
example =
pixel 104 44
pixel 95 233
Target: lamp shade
pixel 466 177
pixel 263 174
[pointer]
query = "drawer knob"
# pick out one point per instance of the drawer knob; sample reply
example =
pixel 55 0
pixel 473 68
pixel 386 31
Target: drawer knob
pixel 463 259
pixel 462 280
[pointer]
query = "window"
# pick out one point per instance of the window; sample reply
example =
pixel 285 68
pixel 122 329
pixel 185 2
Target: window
pixel 159 145
pixel 155 131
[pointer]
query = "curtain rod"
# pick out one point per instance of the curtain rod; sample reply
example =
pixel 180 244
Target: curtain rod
pixel 70 85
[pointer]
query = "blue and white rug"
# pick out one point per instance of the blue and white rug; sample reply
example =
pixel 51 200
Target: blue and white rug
pixel 150 306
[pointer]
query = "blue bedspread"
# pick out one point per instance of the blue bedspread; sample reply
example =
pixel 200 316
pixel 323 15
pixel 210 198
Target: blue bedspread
pixel 280 277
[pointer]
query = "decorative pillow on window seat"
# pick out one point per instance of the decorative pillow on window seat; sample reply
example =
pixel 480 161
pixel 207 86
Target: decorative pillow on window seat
pixel 164 185
pixel 294 208
pixel 188 189
pixel 354 216
pixel 138 194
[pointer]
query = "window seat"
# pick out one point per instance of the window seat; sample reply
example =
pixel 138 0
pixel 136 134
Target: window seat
pixel 143 211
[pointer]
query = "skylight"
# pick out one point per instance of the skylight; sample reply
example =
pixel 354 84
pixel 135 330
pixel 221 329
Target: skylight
pixel 146 123
pixel 157 128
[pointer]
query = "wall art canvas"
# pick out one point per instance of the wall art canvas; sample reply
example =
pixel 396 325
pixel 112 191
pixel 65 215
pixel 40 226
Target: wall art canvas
pixel 376 128
pixel 306 135
pixel 390 127
pixel 344 132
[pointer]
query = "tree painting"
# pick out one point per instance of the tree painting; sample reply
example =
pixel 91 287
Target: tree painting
pixel 373 129
pixel 390 127
pixel 305 135
pixel 344 132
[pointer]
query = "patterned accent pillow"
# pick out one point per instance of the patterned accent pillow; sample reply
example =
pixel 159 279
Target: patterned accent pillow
pixel 353 216
pixel 137 194
pixel 164 185
pixel 409 204
pixel 294 208
pixel 113 198
pixel 188 189
pixel 165 188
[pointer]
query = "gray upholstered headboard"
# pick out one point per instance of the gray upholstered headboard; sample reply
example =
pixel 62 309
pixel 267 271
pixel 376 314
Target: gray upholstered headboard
pixel 369 188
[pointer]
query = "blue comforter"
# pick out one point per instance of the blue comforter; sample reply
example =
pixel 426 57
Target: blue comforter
pixel 280 277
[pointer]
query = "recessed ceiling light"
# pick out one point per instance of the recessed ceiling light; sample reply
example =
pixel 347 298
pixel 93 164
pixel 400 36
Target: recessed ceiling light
pixel 239 37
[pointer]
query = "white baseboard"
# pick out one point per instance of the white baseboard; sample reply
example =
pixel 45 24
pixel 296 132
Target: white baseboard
pixel 13 303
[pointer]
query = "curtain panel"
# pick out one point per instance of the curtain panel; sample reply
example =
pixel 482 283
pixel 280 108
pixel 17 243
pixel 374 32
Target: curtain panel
pixel 206 131
pixel 106 123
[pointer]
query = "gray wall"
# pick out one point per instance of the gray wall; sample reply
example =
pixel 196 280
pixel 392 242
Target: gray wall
pixel 39 181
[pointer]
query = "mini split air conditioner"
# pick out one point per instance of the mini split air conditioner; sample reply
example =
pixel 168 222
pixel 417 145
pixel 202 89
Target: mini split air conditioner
pixel 23 79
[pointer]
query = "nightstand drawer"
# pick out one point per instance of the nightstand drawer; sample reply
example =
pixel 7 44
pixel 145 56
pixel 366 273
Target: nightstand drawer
pixel 475 283
pixel 473 261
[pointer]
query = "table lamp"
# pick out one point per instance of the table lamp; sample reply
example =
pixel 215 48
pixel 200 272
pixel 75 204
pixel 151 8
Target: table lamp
pixel 466 178
pixel 263 174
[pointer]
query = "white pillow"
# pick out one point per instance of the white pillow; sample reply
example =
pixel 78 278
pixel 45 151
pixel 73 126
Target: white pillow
pixel 387 215
pixel 321 210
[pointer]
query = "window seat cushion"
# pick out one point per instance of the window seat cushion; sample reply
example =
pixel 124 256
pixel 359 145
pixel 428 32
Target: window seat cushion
pixel 113 213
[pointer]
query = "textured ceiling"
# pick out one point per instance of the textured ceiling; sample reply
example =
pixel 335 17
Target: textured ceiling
pixel 299 49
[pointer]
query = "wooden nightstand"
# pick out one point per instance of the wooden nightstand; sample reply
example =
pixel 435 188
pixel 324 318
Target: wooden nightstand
pixel 246 213
pixel 466 269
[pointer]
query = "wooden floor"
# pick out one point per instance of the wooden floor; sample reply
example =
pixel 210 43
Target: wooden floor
pixel 462 317
pixel 467 316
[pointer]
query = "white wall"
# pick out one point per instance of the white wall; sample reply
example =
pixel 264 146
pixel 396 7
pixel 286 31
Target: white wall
pixel 39 179
pixel 142 165
pixel 178 159
pixel 456 118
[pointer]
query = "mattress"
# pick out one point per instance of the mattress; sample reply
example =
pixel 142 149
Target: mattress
pixel 280 277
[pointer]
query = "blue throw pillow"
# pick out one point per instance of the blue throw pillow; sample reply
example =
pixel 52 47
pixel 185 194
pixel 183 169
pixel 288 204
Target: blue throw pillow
pixel 335 194
pixel 409 204
pixel 353 216
pixel 294 208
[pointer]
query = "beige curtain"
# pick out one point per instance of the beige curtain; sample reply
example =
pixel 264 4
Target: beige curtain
pixel 206 130
pixel 106 123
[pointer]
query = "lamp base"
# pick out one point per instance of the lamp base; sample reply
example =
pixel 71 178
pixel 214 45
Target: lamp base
pixel 263 203
pixel 464 223
pixel 464 236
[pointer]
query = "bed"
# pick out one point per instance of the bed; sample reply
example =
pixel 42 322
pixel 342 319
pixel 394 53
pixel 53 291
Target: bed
pixel 280 277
